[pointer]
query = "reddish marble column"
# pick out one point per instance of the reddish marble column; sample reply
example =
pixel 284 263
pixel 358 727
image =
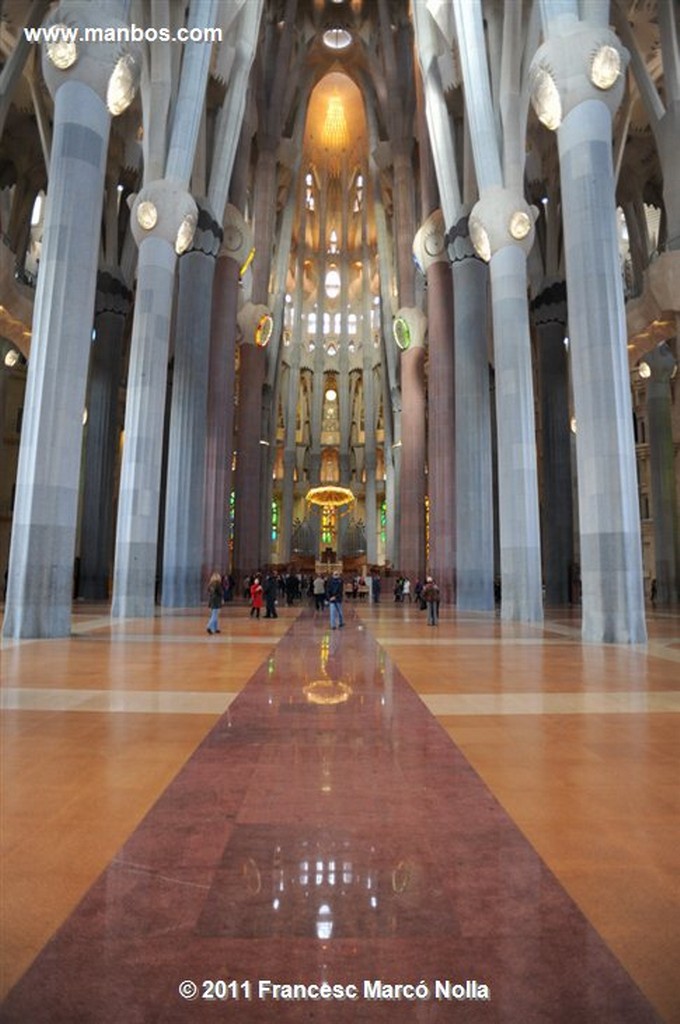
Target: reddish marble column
pixel 412 489
pixel 249 420
pixel 441 429
pixel 220 437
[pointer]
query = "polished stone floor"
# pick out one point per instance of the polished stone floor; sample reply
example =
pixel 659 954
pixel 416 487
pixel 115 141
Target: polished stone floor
pixel 487 810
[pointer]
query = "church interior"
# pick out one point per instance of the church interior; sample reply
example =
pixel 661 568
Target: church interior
pixel 388 289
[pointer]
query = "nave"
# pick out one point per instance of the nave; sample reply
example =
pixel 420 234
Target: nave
pixel 496 803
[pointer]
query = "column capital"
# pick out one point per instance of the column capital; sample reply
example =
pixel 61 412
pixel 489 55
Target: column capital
pixel 578 62
pixel 113 294
pixel 550 305
pixel 237 237
pixel 458 242
pixel 164 209
pixel 255 321
pixel 429 244
pixel 110 68
pixel 659 365
pixel 501 217
pixel 208 234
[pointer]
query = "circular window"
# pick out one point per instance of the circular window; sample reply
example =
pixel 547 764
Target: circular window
pixel 337 38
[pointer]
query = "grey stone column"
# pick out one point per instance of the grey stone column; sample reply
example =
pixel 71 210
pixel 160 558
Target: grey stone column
pixel 501 228
pixel 663 366
pixel 163 219
pixel 609 518
pixel 106 364
pixel 549 314
pixel 184 504
pixel 40 580
pixel 474 477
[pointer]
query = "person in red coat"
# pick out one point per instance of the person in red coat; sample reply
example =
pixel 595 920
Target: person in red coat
pixel 255 597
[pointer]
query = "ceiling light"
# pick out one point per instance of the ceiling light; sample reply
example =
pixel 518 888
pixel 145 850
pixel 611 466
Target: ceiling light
pixel 605 67
pixel 63 53
pixel 263 331
pixel 401 333
pixel 520 224
pixel 545 98
pixel 480 239
pixel 122 85
pixel 147 215
pixel 185 234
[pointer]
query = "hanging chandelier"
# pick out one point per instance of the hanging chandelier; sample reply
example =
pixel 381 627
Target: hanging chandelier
pixel 330 496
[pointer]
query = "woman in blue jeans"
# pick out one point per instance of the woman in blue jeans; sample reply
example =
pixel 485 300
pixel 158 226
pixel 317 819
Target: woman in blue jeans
pixel 214 602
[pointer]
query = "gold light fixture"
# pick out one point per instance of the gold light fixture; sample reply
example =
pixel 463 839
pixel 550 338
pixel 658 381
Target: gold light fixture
pixel 330 496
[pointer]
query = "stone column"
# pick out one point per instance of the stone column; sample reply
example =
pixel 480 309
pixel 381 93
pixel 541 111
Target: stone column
pixel 236 246
pixel 106 364
pixel 662 368
pixel 163 221
pixel 290 440
pixel 249 435
pixel 576 87
pixel 549 314
pixel 184 491
pixel 40 579
pixel 410 327
pixel 473 434
pixel 430 251
pixel 501 229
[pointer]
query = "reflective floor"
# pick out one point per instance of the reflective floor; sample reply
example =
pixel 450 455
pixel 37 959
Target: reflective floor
pixel 484 814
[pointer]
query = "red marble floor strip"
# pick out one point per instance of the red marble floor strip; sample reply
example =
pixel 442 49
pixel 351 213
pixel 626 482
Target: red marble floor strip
pixel 327 831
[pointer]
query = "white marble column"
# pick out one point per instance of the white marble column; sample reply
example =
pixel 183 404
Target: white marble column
pixel 577 84
pixel 163 220
pixel 184 492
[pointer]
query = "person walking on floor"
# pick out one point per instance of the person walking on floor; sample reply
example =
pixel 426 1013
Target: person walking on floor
pixel 431 598
pixel 255 597
pixel 214 602
pixel 319 591
pixel 334 595
pixel 271 589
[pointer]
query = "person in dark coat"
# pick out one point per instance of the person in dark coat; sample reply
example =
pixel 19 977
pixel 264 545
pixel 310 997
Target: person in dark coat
pixel 334 595
pixel 271 589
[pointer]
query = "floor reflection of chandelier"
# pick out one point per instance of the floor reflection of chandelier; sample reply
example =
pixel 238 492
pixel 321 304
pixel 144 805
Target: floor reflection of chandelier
pixel 330 496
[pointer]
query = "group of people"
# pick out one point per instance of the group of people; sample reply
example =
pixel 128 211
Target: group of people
pixel 263 590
